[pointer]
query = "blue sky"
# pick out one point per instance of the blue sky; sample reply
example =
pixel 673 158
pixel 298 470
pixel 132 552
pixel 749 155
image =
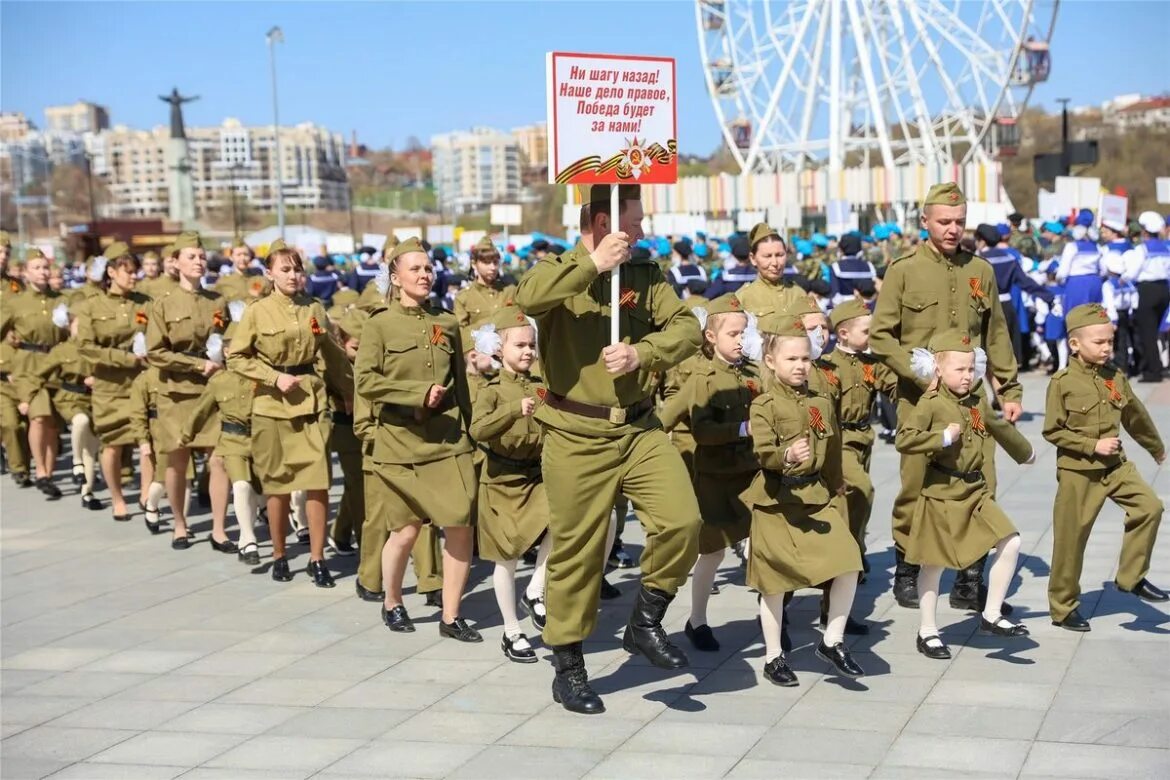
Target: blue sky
pixel 391 70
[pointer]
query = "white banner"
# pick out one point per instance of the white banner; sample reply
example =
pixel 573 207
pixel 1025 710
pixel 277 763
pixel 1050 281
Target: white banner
pixel 1114 208
pixel 505 214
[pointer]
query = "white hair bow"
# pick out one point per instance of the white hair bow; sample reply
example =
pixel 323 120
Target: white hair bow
pixel 236 310
pixel 139 345
pixel 701 313
pixel 753 342
pixel 215 348
pixel 922 363
pixel 61 315
pixel 487 341
pixel 382 280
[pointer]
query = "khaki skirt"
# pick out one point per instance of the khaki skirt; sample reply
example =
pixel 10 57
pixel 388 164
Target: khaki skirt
pixel 289 455
pixel 439 493
pixel 512 516
pixel 173 410
pixel 69 404
pixel 727 517
pixel 955 533
pixel 797 546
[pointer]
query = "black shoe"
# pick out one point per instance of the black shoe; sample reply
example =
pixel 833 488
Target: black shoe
pixel 974 599
pixel 78 475
pixel 778 672
pixel 368 595
pixel 224 547
pixel 22 479
pixel 177 542
pixel 644 634
pixel 620 559
pixel 280 572
pixel 435 599
pixel 154 526
pixel 1001 627
pixel 936 650
pixel 608 591
pixel 458 629
pixel 714 589
pixel 46 486
pixel 529 557
pixel 1146 591
pixel 838 655
pixel 250 554
pixel 905 582
pixel 89 501
pixel 397 620
pixel 340 546
pixel 520 655
pixel 570 687
pixel 702 638
pixel 852 627
pixel 320 574
pixel 1073 622
pixel 303 536
pixel 529 606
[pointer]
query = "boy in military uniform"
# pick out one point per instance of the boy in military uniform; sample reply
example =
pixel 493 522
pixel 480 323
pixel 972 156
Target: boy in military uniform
pixel 956 519
pixel 1088 404
pixel 602 437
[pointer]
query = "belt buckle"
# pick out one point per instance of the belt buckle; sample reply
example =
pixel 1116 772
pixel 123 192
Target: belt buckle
pixel 617 415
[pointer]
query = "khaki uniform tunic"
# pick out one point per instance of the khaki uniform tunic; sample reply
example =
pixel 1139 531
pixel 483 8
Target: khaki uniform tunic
pixel 106 326
pixel 925 292
pixel 674 412
pixel 229 395
pixel 589 461
pixel 762 297
pixel 799 537
pixel 1086 404
pixel 244 286
pixel 721 396
pixel 14 425
pixel 156 287
pixel 422 456
pixel 513 508
pixel 286 335
pixel 476 304
pixel 179 325
pixel 956 520
pixel 29 316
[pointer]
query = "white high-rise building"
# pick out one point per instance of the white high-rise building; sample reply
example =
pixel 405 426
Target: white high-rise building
pixel 474 169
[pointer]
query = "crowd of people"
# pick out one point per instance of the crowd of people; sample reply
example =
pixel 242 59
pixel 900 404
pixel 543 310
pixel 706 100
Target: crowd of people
pixel 495 418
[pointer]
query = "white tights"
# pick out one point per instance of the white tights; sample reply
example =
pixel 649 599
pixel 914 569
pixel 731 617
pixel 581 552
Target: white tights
pixel 245 500
pixel 535 589
pixel 841 594
pixel 702 578
pixel 504 586
pixel 771 620
pixel 1003 568
pixel 85 448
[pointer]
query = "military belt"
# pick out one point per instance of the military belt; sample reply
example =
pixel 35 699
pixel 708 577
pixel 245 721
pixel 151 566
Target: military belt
pixel 503 460
pixel 239 429
pixel 28 346
pixel 302 370
pixel 194 353
pixel 855 426
pixel 806 479
pixel 4 376
pixel 342 418
pixel 970 477
pixel 74 387
pixel 618 415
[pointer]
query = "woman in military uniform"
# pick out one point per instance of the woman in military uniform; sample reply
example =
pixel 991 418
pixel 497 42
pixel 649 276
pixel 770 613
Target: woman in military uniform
pixel 27 320
pixel 277 344
pixel 107 325
pixel 513 509
pixel 179 324
pixel 476 304
pixel 956 519
pixel 410 368
pixel 772 290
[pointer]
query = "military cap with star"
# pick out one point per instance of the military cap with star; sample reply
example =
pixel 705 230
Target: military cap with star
pixel 798 307
pixel 33 253
pixel 945 194
pixel 783 325
pixel 848 310
pixel 762 231
pixel 950 341
pixel 411 244
pixel 508 317
pixel 116 250
pixel 485 247
pixel 724 304
pixel 188 239
pixel 1085 315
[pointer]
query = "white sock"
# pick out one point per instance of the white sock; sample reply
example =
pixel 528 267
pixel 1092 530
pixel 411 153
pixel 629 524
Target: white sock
pixel 75 437
pixel 999 578
pixel 87 446
pixel 840 602
pixel 771 620
pixel 504 585
pixel 535 589
pixel 702 578
pixel 297 510
pixel 154 495
pixel 245 501
pixel 928 580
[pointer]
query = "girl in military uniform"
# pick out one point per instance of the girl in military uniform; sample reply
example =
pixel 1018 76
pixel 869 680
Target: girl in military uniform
pixel 71 374
pixel 27 320
pixel 229 395
pixel 513 509
pixel 143 410
pixel 410 368
pixel 719 396
pixel 180 322
pixel 956 519
pixel 277 345
pixel 799 537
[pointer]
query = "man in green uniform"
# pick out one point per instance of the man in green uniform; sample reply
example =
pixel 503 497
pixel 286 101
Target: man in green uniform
pixel 939 287
pixel 602 437
pixel 1088 404
pixel 13 425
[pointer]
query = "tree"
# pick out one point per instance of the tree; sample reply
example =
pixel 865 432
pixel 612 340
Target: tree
pixel 70 188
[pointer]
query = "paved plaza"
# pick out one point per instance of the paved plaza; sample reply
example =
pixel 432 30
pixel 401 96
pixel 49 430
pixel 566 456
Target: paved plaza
pixel 124 659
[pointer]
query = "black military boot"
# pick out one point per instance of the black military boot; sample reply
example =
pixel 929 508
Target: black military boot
pixel 644 634
pixel 570 688
pixel 905 581
pixel 969 592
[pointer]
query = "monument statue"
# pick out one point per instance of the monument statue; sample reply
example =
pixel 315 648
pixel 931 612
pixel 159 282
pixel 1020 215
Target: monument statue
pixel 176 100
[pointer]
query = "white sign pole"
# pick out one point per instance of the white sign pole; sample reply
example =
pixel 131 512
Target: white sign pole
pixel 615 278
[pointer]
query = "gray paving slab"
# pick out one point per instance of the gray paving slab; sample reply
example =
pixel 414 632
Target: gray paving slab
pixel 121 658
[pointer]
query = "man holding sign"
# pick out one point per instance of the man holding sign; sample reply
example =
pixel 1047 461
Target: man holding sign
pixel 602 436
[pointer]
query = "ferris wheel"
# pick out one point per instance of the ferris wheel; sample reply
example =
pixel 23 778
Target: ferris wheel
pixel 807 83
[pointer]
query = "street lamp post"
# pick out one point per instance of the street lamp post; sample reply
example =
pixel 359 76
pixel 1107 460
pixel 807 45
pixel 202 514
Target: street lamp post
pixel 89 184
pixel 275 36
